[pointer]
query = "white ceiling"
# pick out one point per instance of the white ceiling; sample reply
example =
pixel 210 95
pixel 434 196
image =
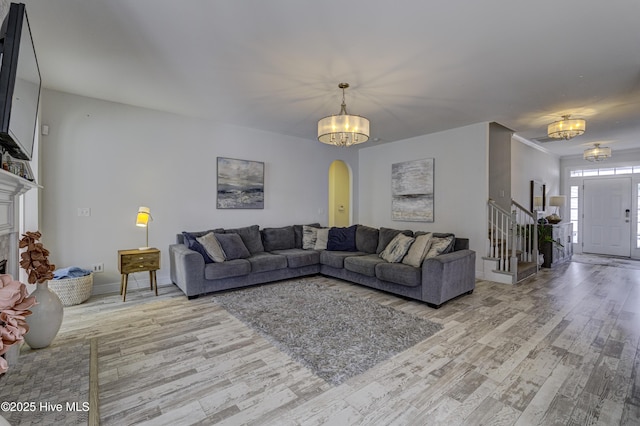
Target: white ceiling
pixel 415 67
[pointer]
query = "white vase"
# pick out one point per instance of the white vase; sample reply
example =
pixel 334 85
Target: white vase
pixel 46 319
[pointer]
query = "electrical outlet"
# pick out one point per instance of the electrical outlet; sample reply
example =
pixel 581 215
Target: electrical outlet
pixel 97 267
pixel 84 211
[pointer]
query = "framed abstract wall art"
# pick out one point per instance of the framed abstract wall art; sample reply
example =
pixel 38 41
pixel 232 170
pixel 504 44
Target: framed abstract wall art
pixel 412 190
pixel 240 184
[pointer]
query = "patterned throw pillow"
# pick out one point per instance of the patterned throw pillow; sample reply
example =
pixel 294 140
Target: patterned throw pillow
pixel 440 245
pixel 397 248
pixel 210 243
pixel 309 237
pixel 418 250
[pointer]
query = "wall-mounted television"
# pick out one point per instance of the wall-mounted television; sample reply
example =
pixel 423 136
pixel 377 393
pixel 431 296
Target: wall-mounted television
pixel 19 85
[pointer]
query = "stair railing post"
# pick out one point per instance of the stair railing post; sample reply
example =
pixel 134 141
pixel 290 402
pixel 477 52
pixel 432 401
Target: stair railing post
pixel 513 260
pixel 535 243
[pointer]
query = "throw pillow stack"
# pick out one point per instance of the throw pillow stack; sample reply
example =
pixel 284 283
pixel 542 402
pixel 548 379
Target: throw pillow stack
pixel 217 246
pixel 413 251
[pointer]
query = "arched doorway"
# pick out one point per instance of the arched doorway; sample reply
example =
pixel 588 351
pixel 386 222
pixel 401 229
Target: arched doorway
pixel 339 194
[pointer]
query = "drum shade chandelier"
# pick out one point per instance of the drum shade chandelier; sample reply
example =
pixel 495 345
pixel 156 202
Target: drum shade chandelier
pixel 566 128
pixel 343 129
pixel 597 153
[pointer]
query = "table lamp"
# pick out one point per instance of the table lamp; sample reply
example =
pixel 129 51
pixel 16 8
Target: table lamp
pixel 556 201
pixel 142 220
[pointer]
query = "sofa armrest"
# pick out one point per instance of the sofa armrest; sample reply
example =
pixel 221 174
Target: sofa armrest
pixel 448 275
pixel 186 269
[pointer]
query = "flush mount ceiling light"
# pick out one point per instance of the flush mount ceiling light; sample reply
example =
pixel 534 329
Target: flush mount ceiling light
pixel 343 129
pixel 597 153
pixel 566 128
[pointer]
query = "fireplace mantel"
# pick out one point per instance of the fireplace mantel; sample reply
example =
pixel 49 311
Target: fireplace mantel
pixel 14 184
pixel 11 187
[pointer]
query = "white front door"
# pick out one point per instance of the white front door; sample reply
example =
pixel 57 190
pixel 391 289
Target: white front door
pixel 607 222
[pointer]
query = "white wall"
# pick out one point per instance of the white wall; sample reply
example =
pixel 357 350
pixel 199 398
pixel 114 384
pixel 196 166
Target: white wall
pixel 529 163
pixel 461 183
pixel 113 158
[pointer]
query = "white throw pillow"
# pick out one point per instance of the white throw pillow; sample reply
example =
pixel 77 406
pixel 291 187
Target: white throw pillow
pixel 212 247
pixel 397 248
pixel 323 238
pixel 418 250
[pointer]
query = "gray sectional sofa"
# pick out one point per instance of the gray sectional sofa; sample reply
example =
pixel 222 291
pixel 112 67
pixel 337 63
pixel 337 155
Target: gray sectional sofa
pixel 255 256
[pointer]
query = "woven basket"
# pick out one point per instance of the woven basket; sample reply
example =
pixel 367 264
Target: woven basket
pixel 73 291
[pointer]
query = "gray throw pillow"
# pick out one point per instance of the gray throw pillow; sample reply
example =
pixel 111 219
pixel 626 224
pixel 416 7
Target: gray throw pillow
pixel 278 238
pixel 250 237
pixel 366 239
pixel 397 248
pixel 233 246
pixel 212 246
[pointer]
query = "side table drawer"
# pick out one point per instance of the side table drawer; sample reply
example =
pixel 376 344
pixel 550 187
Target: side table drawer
pixel 138 262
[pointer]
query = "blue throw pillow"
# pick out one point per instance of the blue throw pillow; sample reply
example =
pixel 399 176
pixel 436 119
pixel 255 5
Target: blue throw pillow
pixel 342 239
pixel 193 244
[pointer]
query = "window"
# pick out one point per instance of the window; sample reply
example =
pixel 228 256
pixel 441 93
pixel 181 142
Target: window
pixel 608 171
pixel 573 206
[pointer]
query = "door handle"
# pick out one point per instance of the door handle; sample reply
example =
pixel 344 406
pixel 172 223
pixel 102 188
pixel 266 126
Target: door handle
pixel 627 212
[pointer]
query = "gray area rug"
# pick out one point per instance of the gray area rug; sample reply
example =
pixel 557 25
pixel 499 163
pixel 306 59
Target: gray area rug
pixel 603 260
pixel 58 374
pixel 335 334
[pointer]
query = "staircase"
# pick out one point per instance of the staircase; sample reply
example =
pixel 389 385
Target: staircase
pixel 512 244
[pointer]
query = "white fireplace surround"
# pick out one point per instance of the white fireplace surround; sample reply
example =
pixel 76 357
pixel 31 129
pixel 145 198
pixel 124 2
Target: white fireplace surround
pixel 11 188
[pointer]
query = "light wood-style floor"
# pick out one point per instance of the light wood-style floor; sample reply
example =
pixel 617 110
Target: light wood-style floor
pixel 560 348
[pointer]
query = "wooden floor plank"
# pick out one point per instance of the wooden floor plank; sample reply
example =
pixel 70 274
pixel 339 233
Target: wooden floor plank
pixel 558 348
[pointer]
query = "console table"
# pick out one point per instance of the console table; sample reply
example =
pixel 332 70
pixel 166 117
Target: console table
pixel 553 253
pixel 137 260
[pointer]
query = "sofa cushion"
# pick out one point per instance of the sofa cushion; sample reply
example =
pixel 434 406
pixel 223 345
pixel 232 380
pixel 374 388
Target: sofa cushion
pixel 399 273
pixel 322 239
pixel 397 248
pixel 278 238
pixel 228 269
pixel 365 265
pixel 212 246
pixel 250 236
pixel 298 232
pixel 342 239
pixel 263 262
pixel 233 246
pixel 192 243
pixel 418 250
pixel 297 258
pixel 385 235
pixel 440 244
pixel 336 258
pixel 367 238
